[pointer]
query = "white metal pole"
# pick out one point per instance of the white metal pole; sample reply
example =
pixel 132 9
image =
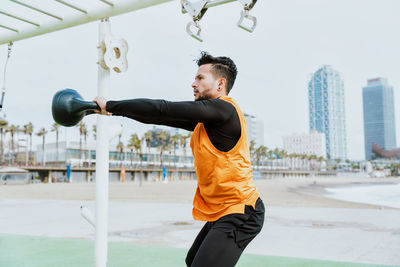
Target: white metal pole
pixel 102 159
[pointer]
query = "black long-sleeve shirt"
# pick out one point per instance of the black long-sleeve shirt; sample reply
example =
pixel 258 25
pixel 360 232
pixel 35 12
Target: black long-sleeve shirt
pixel 220 118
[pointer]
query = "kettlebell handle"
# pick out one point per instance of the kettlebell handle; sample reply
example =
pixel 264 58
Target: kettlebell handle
pixel 79 105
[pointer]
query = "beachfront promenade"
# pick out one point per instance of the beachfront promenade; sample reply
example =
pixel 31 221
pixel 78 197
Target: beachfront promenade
pixel 154 173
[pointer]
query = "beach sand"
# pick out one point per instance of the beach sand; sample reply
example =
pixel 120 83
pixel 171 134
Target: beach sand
pixel 292 192
pixel 301 221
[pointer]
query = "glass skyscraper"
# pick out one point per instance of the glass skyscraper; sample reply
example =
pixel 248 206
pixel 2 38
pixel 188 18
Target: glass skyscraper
pixel 327 113
pixel 379 124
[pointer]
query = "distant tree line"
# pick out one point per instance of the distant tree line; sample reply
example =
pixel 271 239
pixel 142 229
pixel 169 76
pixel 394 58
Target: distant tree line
pixel 264 157
pixel 261 156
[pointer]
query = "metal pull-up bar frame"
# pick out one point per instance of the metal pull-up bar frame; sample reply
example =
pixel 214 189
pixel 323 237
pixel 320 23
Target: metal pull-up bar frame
pixel 110 9
pixel 83 16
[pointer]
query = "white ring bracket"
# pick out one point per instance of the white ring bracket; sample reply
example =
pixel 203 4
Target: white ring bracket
pixel 115 51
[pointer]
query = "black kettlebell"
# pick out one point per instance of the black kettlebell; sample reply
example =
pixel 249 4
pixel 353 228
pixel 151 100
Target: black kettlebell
pixel 69 108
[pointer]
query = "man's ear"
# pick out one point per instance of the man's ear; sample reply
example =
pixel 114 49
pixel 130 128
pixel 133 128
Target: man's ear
pixel 222 83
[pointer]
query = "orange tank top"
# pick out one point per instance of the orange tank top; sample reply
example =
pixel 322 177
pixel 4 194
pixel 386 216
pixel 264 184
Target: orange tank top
pixel 224 179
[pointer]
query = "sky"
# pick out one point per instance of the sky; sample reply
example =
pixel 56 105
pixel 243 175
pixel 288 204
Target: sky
pixel 293 38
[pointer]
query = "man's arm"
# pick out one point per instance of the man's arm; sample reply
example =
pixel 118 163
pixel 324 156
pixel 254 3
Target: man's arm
pixel 206 111
pixel 183 124
pixel 184 114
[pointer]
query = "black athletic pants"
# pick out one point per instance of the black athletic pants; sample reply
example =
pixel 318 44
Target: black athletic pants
pixel 221 243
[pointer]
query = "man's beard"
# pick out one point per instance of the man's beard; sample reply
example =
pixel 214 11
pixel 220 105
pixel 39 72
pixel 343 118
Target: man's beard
pixel 202 97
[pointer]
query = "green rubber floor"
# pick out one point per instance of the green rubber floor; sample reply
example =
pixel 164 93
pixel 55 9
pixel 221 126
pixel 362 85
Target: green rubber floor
pixel 28 251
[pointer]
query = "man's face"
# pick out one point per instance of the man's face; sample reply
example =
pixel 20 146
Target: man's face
pixel 205 85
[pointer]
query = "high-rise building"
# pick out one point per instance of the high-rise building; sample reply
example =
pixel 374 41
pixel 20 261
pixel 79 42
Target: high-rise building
pixel 327 112
pixel 378 107
pixel 308 144
pixel 255 129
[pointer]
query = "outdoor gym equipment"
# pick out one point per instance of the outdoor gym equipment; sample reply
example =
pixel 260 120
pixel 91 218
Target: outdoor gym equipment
pixel 68 107
pixel 197 10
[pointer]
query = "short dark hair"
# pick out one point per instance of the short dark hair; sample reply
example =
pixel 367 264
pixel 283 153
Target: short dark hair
pixel 221 66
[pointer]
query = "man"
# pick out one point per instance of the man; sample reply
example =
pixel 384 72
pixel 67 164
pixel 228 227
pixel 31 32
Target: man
pixel 226 197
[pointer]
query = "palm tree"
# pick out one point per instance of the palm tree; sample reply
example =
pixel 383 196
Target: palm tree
pixel 82 132
pixel 174 141
pixel 252 148
pixel 293 159
pixel 3 127
pixel 183 141
pixel 85 135
pixel 28 129
pixel 42 133
pixel 148 136
pixel 131 145
pixel 136 143
pixel 120 148
pixel 162 136
pixel 337 165
pixel 282 154
pixel 260 153
pixel 312 159
pixel 55 128
pixel 276 152
pixel 94 129
pixel 13 129
pixel 25 131
pixel 270 157
pixel 138 148
pixel 320 160
pixel 304 157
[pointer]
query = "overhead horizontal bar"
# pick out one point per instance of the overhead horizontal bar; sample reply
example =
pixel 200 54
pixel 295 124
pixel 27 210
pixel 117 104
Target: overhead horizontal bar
pixel 218 2
pixel 19 18
pixel 36 9
pixel 71 6
pixel 107 2
pixel 8 28
pixel 214 3
pixel 120 7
